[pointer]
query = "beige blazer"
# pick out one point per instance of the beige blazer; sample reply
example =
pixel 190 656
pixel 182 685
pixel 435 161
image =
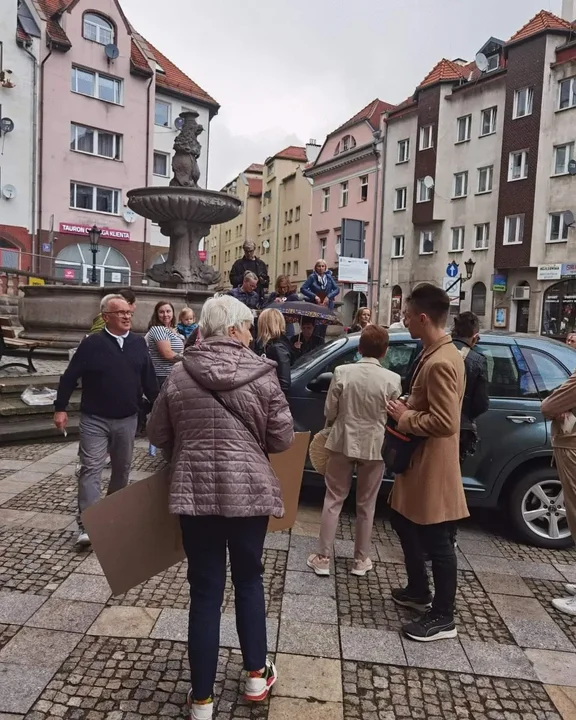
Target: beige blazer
pixel 356 407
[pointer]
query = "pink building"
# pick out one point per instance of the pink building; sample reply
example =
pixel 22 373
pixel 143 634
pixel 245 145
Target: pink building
pixel 347 184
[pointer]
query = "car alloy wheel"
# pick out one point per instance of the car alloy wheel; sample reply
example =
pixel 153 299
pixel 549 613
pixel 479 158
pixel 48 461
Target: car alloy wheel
pixel 544 511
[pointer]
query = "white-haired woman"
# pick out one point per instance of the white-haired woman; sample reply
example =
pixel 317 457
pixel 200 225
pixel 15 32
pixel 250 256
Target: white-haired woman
pixel 220 413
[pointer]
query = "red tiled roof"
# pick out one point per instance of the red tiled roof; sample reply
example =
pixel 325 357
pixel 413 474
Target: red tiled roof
pixel 403 107
pixel 292 152
pixel 444 71
pixel 22 36
pixel 370 113
pixel 255 168
pixel 543 21
pixel 55 32
pixel 138 59
pixel 254 187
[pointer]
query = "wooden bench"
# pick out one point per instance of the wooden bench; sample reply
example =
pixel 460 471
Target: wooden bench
pixel 9 343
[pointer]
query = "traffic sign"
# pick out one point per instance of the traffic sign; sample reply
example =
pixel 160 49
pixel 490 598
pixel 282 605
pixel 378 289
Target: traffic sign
pixel 453 288
pixel 46 247
pixel 452 269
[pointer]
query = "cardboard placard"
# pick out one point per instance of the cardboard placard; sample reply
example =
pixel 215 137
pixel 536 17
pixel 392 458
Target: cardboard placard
pixel 135 538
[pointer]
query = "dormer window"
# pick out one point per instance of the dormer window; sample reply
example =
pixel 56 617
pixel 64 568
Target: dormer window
pixel 98 29
pixel 493 62
pixel 348 143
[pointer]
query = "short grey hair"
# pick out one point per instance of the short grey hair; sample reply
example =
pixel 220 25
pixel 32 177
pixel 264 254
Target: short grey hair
pixel 249 244
pixel 107 299
pixel 219 314
pixel 249 275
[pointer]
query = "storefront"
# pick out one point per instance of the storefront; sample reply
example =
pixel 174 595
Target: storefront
pixel 74 262
pixel 559 311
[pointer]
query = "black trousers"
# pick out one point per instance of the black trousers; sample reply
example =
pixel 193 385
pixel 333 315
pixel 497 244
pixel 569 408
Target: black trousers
pixel 438 543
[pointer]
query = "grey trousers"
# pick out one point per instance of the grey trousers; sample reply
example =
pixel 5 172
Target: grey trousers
pixel 98 437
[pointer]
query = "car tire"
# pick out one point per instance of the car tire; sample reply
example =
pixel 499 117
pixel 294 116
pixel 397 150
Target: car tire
pixel 547 478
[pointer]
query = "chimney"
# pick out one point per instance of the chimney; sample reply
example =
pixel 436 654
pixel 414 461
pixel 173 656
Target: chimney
pixel 569 10
pixel 313 150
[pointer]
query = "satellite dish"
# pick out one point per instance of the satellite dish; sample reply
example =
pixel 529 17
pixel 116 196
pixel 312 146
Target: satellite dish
pixel 111 51
pixel 179 123
pixel 572 167
pixel 6 125
pixel 9 192
pixel 266 244
pixel 569 218
pixel 428 182
pixel 129 215
pixel 482 62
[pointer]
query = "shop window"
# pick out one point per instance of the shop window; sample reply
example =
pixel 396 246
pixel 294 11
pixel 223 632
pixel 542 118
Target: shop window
pixel 559 315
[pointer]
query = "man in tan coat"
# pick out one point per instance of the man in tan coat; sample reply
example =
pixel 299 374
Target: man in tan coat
pixel 428 498
pixel 560 407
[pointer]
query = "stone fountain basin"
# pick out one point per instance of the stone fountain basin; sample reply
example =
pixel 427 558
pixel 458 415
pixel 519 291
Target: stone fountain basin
pixel 165 204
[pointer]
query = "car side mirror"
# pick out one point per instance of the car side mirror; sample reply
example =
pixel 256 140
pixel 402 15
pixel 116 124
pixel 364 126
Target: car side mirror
pixel 321 383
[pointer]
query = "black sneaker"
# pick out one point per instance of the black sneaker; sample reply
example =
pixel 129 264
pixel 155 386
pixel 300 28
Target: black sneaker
pixel 402 596
pixel 431 627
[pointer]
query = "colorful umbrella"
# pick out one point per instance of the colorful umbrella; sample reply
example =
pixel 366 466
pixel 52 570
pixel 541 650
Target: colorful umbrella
pixel 293 311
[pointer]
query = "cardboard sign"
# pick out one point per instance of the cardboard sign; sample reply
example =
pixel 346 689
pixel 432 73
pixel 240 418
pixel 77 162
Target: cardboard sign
pixel 134 536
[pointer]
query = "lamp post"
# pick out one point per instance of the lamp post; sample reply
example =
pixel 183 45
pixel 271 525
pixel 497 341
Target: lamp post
pixel 94 235
pixel 469 265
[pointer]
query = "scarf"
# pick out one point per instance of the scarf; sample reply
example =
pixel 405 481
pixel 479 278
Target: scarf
pixel 322 280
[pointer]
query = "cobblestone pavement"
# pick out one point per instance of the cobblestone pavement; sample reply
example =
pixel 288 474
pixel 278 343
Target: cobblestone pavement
pixel 69 650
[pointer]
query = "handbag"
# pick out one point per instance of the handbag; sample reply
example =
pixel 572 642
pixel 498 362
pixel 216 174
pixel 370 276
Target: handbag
pixel 240 419
pixel 317 451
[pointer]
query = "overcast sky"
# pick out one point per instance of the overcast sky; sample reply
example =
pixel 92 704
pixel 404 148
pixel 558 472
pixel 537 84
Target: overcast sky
pixel 285 71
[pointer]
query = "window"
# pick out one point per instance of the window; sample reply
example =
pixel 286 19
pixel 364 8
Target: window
pixel 523 101
pixel 518 166
pixel 325 199
pixel 348 143
pixel 400 198
pixel 567 94
pixel 344 194
pixel 290 215
pixel 426 242
pixel 285 244
pixel 464 128
pixel 493 62
pixel 162 113
pixel 423 193
pixel 488 121
pixel 288 268
pixel 562 156
pixel 93 84
pixel 296 241
pixel 513 229
pixel 426 139
pixel 289 242
pixel 363 188
pixel 297 214
pixel 460 184
pixel 457 243
pixel 478 304
pixel 505 380
pixel 283 268
pixel 95 142
pixel 270 169
pixel 98 199
pixel 546 371
pixel 481 236
pixel 98 29
pixel 400 357
pixel 295 269
pixel 398 246
pixel 485 178
pixel 285 217
pixel 161 164
pixel 403 151
pixel 557 228
pixel 323 248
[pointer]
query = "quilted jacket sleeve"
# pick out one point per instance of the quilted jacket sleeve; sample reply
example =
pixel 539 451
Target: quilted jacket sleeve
pixel 279 426
pixel 159 426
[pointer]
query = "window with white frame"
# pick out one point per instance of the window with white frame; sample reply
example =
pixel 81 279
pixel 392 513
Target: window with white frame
pixel 426 137
pixel 400 198
pixel 562 156
pixel 523 102
pixel 481 236
pixel 488 121
pixel 485 179
pixel 403 150
pixel 162 111
pixel 398 246
pixel 97 199
pixel 463 128
pixel 344 194
pixel 325 199
pixel 457 242
pixel 423 193
pixel 426 242
pixel 493 62
pixel 95 142
pixel 567 94
pixel 363 188
pixel 296 241
pixel 323 248
pixel 557 228
pixel 460 184
pixel 518 166
pixel 98 29
pixel 513 229
pixel 96 85
pixel 295 268
pixel 297 214
pixel 161 164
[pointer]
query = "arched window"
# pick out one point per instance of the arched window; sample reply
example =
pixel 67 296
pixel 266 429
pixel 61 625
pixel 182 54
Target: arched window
pixel 396 305
pixel 478 306
pixel 74 262
pixel 337 150
pixel 9 255
pixel 348 143
pixel 98 29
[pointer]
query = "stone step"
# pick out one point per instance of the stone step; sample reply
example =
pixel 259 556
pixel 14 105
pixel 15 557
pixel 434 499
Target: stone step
pixel 15 386
pixel 13 409
pixel 36 429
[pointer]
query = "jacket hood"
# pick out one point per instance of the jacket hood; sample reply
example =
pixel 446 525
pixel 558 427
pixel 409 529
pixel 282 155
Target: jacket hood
pixel 223 363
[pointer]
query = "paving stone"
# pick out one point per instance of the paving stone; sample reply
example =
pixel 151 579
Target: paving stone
pixel 445 655
pixel 125 622
pixel 5 497
pixel 307 583
pixel 16 608
pixel 14 465
pixel 277 541
pixel 564 698
pixel 7 632
pixel 27 477
pixel 56 494
pixel 229 635
pixel 300 638
pixel 48 521
pixel 282 708
pixel 490 658
pixel 489 563
pixel 91 566
pixel 387 552
pixel 34 647
pixel 376 646
pixel 30 452
pixel 309 678
pixel 274 562
pixel 530 624
pixel 306 608
pixel 474 546
pixel 568 571
pixel 10 716
pixel 545 591
pixel 538 570
pixel 70 615
pixel 90 588
pixel 553 666
pixel 516 551
pixel 305 529
pixel 171 625
pixel 345 549
pixel 14 518
pixel 300 549
pixel 20 686
pixel 168 589
pixel 503 584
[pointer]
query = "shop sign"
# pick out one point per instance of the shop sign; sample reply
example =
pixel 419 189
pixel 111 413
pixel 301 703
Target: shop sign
pixel 106 234
pixel 115 277
pixel 202 255
pixel 549 272
pixel 499 283
pixel 568 269
pixel 69 274
pixel 36 281
pixel 352 270
pixel 360 287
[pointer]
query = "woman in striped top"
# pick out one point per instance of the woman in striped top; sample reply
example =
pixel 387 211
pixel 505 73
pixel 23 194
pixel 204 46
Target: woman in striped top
pixel 165 345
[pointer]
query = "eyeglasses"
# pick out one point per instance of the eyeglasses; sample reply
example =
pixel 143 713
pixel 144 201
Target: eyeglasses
pixel 120 313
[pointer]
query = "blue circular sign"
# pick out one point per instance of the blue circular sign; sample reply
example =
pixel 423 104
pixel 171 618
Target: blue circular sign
pixel 452 270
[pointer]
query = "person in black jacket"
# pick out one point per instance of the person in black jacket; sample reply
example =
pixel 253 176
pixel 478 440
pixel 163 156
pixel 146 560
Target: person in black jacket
pixel 273 343
pixel 253 264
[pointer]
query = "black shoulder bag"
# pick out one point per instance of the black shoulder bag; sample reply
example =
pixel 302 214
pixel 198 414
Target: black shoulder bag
pixel 240 420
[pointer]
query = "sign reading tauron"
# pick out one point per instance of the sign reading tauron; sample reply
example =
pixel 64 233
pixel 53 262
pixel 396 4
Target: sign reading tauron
pixel 109 233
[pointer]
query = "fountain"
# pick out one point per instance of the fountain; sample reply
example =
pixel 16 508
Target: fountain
pixel 185 213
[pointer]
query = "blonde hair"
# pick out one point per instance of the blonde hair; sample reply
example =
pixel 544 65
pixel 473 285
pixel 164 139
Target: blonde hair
pixel 357 316
pixel 271 325
pixel 184 311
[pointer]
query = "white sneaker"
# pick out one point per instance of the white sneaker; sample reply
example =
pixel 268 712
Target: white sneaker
pixel 570 588
pixel 199 712
pixel 83 540
pixel 361 567
pixel 258 685
pixel 566 605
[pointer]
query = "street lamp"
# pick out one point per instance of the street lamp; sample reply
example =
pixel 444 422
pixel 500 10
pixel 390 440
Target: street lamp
pixel 469 265
pixel 94 235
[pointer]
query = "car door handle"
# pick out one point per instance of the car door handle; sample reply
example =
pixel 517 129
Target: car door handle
pixel 521 419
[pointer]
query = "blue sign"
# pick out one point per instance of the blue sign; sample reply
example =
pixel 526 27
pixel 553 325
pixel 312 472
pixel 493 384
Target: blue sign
pixel 452 270
pixel 46 247
pixel 499 283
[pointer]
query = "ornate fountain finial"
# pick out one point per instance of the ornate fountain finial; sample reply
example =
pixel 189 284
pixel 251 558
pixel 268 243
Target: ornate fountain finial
pixel 187 150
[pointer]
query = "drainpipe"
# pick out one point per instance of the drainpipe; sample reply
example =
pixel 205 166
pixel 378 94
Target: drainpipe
pixel 148 109
pixel 41 152
pixel 35 246
pixel 280 186
pixel 381 241
pixel 375 275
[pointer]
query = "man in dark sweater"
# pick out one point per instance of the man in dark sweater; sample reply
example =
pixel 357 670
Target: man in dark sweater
pixel 116 370
pixel 253 264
